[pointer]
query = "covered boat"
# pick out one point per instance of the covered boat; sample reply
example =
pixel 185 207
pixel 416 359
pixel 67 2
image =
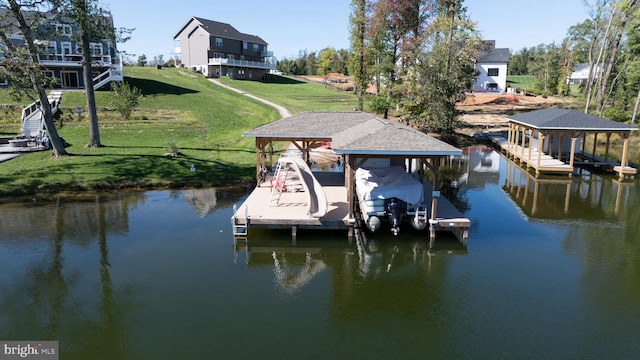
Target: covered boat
pixel 390 194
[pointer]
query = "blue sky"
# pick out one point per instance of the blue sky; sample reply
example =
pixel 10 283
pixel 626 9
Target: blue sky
pixel 293 25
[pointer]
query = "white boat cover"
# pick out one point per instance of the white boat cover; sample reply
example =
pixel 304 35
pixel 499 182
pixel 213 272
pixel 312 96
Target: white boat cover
pixel 386 183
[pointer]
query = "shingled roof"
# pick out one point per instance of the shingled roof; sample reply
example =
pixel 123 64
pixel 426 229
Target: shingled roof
pixel 355 133
pixel 565 119
pixel 216 28
pixel 500 55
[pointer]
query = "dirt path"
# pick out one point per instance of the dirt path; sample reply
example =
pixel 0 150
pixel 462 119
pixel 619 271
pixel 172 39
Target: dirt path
pixel 281 109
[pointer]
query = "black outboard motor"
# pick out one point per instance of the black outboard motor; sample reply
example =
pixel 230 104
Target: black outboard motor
pixel 393 207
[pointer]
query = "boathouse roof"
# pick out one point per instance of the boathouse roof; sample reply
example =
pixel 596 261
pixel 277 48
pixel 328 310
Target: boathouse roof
pixel 354 133
pixel 565 119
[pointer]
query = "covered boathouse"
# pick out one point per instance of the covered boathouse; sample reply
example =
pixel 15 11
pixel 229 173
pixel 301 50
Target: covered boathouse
pixel 327 200
pixel 553 141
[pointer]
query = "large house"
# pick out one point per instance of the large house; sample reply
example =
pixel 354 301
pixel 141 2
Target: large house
pixel 62 54
pixel 491 66
pixel 217 49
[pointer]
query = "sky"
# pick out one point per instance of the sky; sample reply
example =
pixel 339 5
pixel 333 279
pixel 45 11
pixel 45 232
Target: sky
pixel 291 26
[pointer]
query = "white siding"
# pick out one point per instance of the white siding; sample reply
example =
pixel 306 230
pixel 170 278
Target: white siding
pixel 484 80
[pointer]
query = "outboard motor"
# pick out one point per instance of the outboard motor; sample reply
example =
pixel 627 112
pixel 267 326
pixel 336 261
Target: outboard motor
pixel 393 207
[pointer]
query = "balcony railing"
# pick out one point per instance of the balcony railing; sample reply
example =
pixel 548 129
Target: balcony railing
pixel 242 63
pixel 72 60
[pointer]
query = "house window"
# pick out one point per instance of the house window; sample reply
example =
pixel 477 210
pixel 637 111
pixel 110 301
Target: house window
pixel 492 71
pixel 245 45
pixel 50 51
pixel 218 41
pixel 66 48
pixel 63 29
pixel 96 49
pixel 256 47
pixel 217 55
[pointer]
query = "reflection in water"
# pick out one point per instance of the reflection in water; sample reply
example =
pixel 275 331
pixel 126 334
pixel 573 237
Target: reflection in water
pixel 143 276
pixel 589 197
pixel 53 308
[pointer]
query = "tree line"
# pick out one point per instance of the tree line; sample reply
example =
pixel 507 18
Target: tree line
pixel 418 55
pixel 410 57
pixel 607 44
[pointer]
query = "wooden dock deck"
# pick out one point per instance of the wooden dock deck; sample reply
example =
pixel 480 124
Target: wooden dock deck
pixel 447 218
pixel 290 210
pixel 531 157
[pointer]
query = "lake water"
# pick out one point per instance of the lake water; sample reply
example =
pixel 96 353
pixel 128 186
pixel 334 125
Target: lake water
pixel 551 271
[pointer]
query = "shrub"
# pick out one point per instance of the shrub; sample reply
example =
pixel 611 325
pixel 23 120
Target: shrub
pixel 124 98
pixel 616 114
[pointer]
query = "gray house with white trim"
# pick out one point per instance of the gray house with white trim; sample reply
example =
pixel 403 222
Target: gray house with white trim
pixel 217 49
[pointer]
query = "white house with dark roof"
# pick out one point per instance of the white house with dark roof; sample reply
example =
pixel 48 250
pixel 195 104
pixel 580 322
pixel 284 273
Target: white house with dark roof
pixel 491 66
pixel 217 49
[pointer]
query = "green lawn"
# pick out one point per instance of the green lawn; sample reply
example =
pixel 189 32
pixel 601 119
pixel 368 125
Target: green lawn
pixel 178 106
pixel 297 95
pixel 521 82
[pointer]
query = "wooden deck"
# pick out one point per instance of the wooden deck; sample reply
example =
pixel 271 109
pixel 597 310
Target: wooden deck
pixel 447 218
pixel 290 210
pixel 529 156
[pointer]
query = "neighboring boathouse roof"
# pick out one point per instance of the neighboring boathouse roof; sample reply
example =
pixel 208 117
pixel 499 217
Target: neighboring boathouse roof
pixel 564 119
pixel 355 133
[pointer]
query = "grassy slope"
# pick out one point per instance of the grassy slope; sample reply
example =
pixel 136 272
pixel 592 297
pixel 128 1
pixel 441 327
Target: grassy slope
pixel 298 96
pixel 204 120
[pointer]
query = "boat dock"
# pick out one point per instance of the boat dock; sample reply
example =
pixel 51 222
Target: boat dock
pixel 553 141
pixel 287 205
pixel 532 157
pixel 290 196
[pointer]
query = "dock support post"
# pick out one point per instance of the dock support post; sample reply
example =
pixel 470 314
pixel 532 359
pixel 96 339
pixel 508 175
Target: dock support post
pixel 294 231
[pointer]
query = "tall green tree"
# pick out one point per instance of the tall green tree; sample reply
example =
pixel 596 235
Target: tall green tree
pixel 94 24
pixel 20 62
pixel 444 69
pixel 357 64
pixel 632 57
pixel 396 33
pixel 545 68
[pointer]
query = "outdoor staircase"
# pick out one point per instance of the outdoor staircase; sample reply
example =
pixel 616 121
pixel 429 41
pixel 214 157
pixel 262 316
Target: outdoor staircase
pixel 32 121
pixel 114 73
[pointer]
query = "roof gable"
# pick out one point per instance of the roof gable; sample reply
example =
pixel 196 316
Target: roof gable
pixel 500 55
pixel 553 118
pixel 356 133
pixel 224 30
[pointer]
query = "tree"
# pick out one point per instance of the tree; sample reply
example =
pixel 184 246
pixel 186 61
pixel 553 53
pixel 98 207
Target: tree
pixel 142 60
pixel 632 57
pixel 519 62
pixel 443 70
pixel 327 61
pixel 311 64
pixel 20 62
pixel 545 68
pixel 158 60
pixel 94 25
pixel 357 64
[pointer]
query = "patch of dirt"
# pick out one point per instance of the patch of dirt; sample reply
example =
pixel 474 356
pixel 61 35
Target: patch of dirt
pixel 488 112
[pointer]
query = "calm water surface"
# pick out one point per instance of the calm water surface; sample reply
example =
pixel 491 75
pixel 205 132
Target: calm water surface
pixel 552 270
